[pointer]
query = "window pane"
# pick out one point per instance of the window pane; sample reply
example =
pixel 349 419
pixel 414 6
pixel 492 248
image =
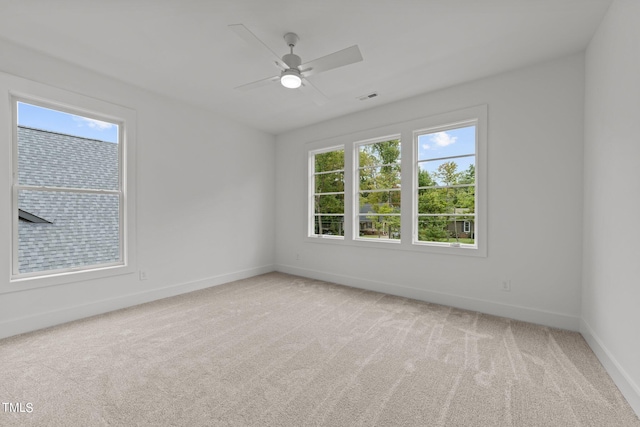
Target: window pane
pixel 379 169
pixel 56 152
pixel 80 230
pixel 379 153
pixel 383 202
pixel 329 161
pixel 446 229
pixel 333 203
pixel 465 200
pixel 434 201
pixel 329 225
pixel 380 177
pixel 454 142
pixel 379 226
pixel 329 182
pixel 447 172
pixel 459 200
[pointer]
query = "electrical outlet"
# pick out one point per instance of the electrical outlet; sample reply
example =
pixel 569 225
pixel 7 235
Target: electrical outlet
pixel 506 285
pixel 143 275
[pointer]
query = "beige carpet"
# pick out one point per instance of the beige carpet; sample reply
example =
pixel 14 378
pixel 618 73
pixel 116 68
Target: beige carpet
pixel 280 350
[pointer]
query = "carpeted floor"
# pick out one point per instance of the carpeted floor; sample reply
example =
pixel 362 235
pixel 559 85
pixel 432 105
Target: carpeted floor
pixel 280 350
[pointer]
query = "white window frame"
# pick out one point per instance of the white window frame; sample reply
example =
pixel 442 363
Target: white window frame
pixel 408 131
pixel 311 191
pixel 357 191
pixel 22 90
pixel 466 228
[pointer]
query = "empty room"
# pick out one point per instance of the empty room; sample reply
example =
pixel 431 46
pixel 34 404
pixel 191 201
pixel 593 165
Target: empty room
pixel 319 213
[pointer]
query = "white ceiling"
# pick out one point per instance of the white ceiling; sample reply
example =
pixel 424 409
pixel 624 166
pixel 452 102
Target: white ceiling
pixel 184 49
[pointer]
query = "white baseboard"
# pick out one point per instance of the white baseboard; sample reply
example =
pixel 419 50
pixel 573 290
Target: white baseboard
pixel 55 317
pixel 630 390
pixel 525 314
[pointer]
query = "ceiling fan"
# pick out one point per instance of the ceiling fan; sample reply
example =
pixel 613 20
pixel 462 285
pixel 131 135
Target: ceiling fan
pixel 294 73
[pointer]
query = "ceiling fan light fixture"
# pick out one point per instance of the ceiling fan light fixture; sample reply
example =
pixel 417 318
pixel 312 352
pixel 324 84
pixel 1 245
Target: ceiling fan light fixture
pixel 291 79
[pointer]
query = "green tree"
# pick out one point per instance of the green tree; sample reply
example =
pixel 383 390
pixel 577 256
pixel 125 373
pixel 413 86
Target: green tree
pixel 432 228
pixel 447 174
pixel 424 179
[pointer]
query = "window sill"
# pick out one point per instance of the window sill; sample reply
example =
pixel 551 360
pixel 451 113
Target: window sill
pixel 20 283
pixel 394 245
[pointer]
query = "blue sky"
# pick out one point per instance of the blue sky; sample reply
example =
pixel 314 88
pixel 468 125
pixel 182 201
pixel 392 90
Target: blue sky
pixel 454 142
pixel 70 124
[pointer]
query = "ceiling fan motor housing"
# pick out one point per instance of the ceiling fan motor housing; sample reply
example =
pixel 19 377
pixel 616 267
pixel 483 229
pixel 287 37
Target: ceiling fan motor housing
pixel 292 60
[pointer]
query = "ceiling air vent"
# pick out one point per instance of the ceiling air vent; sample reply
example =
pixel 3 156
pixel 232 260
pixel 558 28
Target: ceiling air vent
pixel 369 96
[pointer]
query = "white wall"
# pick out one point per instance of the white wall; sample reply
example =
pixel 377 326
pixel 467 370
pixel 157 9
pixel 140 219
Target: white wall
pixel 205 208
pixel 611 268
pixel 535 140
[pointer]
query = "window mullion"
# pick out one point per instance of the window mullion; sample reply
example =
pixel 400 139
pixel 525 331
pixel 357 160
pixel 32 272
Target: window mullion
pixel 328 194
pixel 380 190
pixel 328 172
pixel 435 187
pixel 435 159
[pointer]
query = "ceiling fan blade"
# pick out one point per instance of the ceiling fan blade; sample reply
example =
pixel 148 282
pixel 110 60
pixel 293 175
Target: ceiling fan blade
pixel 253 40
pixel 311 91
pixel 259 83
pixel 337 59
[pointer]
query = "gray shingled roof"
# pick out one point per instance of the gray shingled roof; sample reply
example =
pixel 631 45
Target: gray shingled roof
pixel 84 227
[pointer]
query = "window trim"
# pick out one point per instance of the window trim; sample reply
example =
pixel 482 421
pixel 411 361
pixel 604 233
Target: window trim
pixel 21 90
pixel 406 130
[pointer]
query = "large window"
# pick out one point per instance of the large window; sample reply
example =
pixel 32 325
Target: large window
pixel 379 192
pixel 446 184
pixel 73 186
pixel 327 189
pixel 68 176
pixel 426 194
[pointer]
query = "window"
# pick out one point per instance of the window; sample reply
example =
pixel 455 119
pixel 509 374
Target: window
pixel 327 189
pixel 73 186
pixel 446 184
pixel 378 194
pixel 440 179
pixel 71 182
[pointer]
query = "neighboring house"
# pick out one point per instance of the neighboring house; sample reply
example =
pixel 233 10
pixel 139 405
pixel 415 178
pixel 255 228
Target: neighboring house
pixel 62 229
pixel 367 226
pixel 465 228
